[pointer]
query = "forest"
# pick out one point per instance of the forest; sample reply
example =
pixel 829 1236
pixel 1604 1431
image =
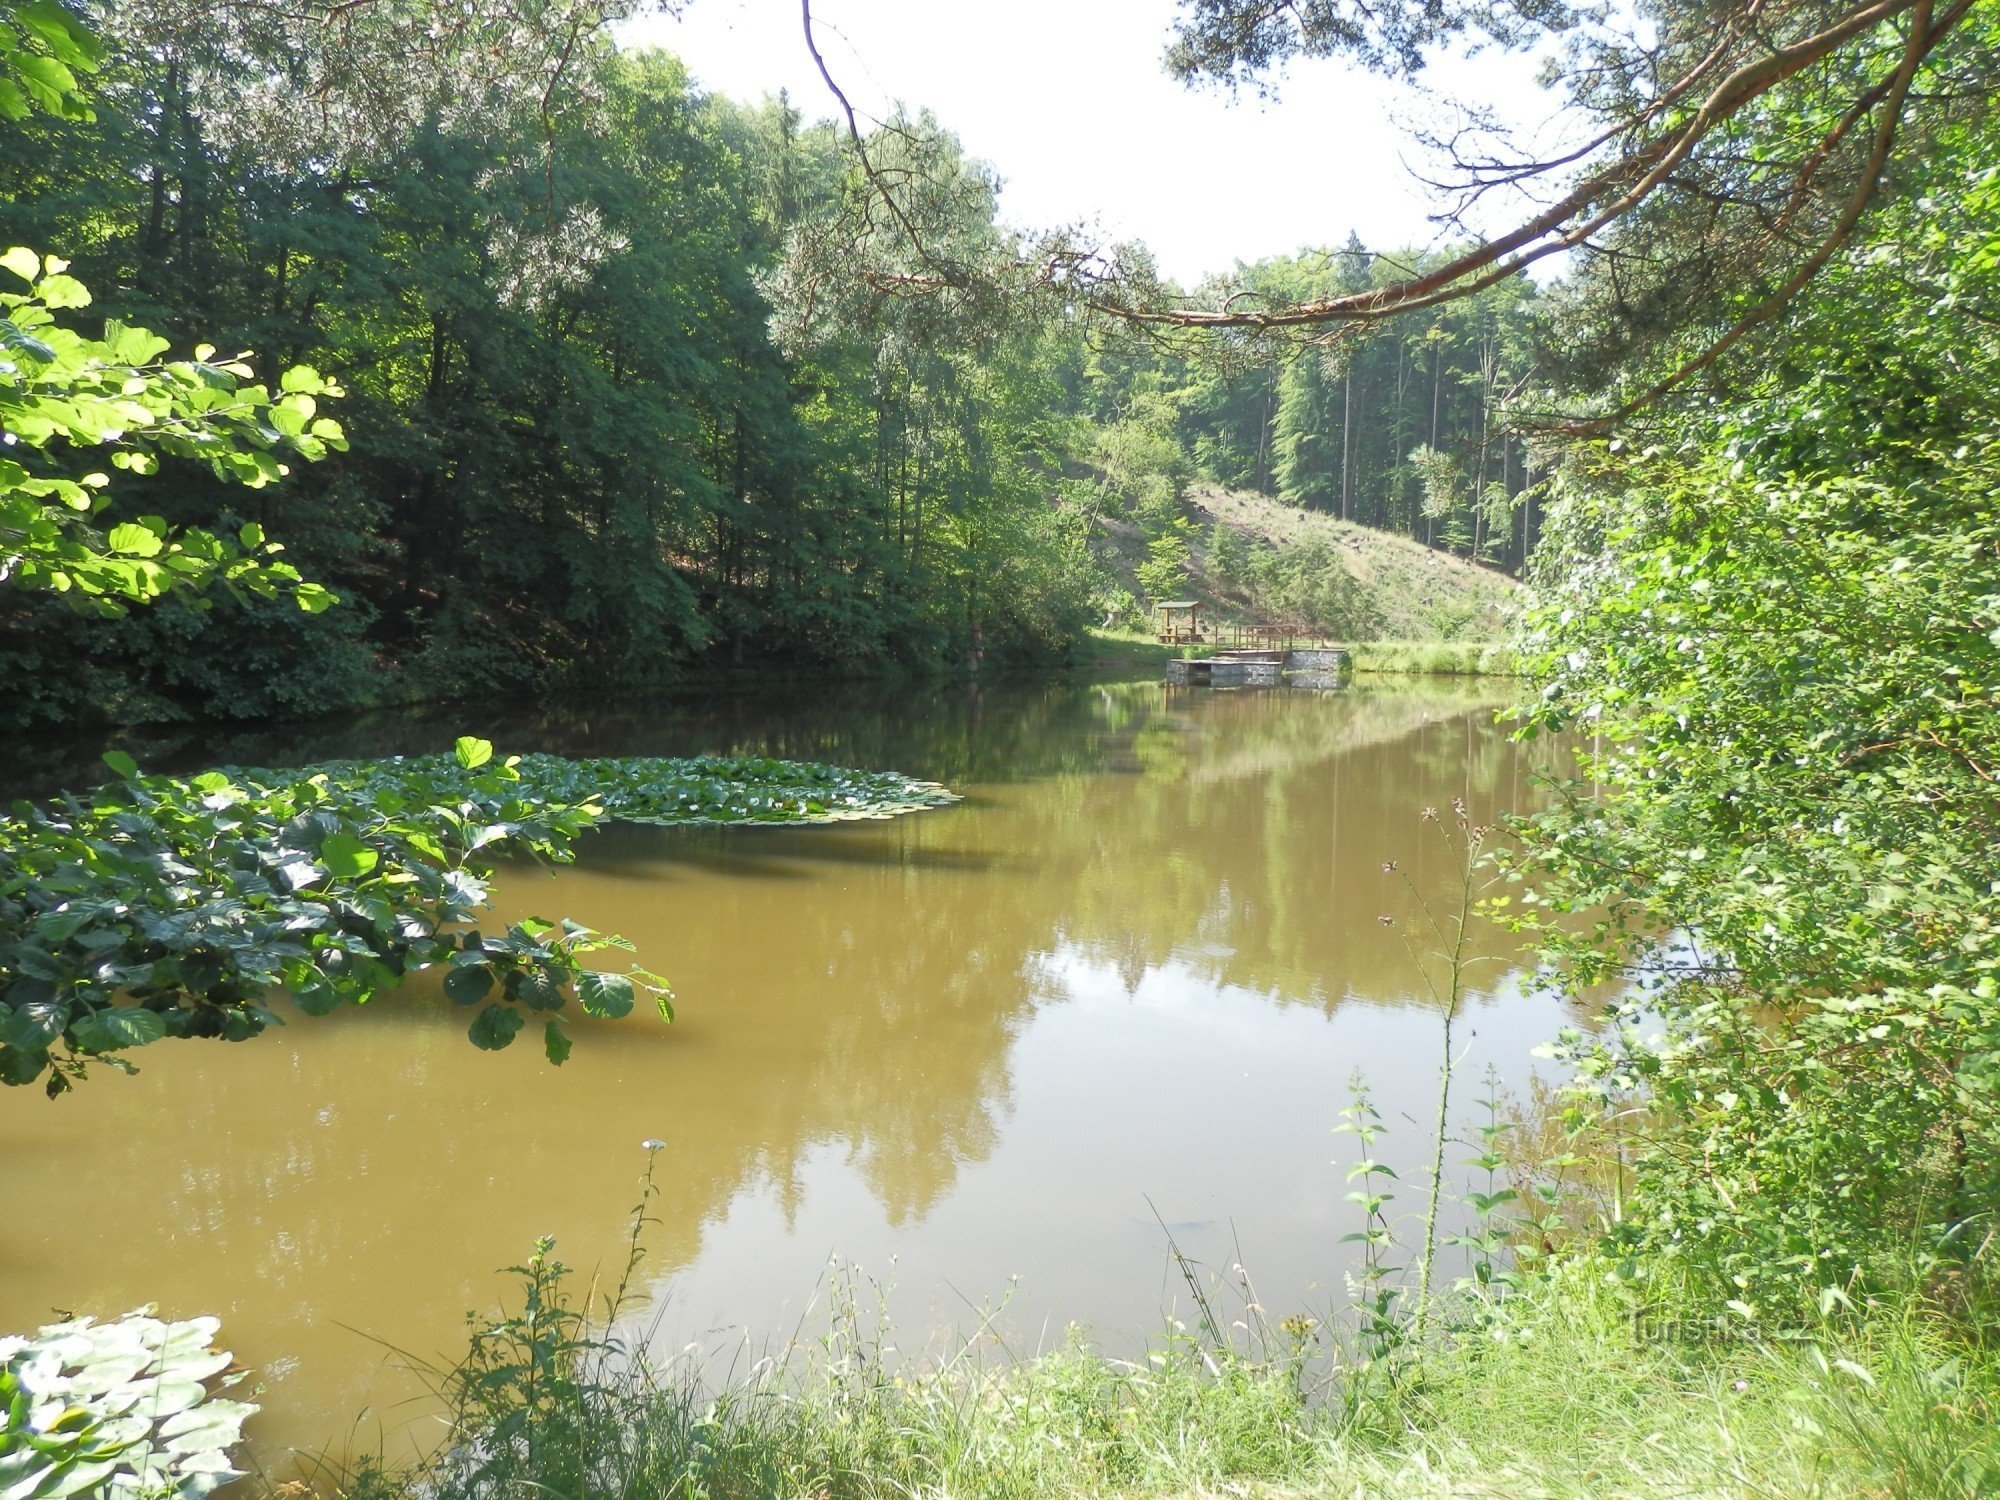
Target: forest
pixel 605 423
pixel 456 353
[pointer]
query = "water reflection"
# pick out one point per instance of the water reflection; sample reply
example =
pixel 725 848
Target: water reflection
pixel 1136 964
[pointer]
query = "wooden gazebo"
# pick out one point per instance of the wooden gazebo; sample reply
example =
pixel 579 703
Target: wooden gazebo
pixel 1180 622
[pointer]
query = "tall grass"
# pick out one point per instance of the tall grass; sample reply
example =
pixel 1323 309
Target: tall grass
pixel 1570 1385
pixel 1566 1397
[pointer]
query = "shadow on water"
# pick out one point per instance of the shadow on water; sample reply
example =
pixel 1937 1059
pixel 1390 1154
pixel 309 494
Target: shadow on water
pixel 762 853
pixel 1138 962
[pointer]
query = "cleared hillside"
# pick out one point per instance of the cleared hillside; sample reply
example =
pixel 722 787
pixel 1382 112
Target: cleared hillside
pixel 1388 587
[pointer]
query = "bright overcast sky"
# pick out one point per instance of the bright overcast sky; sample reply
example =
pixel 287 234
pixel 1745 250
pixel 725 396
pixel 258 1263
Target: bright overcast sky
pixel 1068 101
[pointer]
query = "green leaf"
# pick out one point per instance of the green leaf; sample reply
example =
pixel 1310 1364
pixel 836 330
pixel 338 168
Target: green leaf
pixel 473 753
pixel 122 763
pixel 62 291
pixel 316 996
pixel 535 989
pixel 468 984
pixel 57 927
pixel 133 346
pixel 347 857
pixel 494 1027
pixel 605 995
pixel 133 540
pixel 53 78
pixel 120 1026
pixel 24 263
pixel 556 1043
pixel 64 36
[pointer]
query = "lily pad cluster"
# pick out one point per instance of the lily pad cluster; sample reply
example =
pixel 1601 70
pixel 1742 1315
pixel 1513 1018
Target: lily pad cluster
pixel 712 789
pixel 129 1409
pixel 158 907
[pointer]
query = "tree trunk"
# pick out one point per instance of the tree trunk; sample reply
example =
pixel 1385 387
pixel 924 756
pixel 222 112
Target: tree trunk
pixel 1347 445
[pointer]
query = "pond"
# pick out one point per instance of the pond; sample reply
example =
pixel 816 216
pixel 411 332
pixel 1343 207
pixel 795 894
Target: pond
pixel 997 1051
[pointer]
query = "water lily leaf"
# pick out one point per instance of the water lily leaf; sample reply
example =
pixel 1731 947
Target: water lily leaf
pixel 81 1479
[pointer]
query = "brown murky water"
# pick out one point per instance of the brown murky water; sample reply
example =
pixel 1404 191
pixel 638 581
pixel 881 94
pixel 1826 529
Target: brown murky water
pixel 974 1050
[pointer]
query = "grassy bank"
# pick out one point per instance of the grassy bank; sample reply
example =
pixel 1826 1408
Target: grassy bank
pixel 1435 658
pixel 1564 1395
pixel 1102 652
pixel 1107 651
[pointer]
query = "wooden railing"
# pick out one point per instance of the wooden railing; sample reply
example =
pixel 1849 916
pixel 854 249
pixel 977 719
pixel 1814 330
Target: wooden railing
pixel 1276 637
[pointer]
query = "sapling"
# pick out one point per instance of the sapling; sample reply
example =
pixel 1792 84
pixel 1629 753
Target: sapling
pixel 1376 1291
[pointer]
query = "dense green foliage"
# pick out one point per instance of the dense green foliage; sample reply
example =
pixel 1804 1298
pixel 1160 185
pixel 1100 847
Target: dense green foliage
pixel 121 1408
pixel 1401 428
pixel 1795 677
pixel 156 907
pixel 1783 618
pixel 577 452
pixel 60 388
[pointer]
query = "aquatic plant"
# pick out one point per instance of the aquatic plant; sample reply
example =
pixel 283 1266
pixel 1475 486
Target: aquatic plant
pixel 157 907
pixel 126 1408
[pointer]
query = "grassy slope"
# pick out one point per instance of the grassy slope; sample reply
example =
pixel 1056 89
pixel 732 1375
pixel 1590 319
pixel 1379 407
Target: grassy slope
pixel 1419 594
pixel 1439 613
pixel 1122 653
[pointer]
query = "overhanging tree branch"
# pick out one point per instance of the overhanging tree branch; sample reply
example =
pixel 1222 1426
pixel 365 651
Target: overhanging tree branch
pixel 1710 146
pixel 1627 183
pixel 1924 36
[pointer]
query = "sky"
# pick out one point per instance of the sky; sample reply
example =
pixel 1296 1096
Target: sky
pixel 1068 101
